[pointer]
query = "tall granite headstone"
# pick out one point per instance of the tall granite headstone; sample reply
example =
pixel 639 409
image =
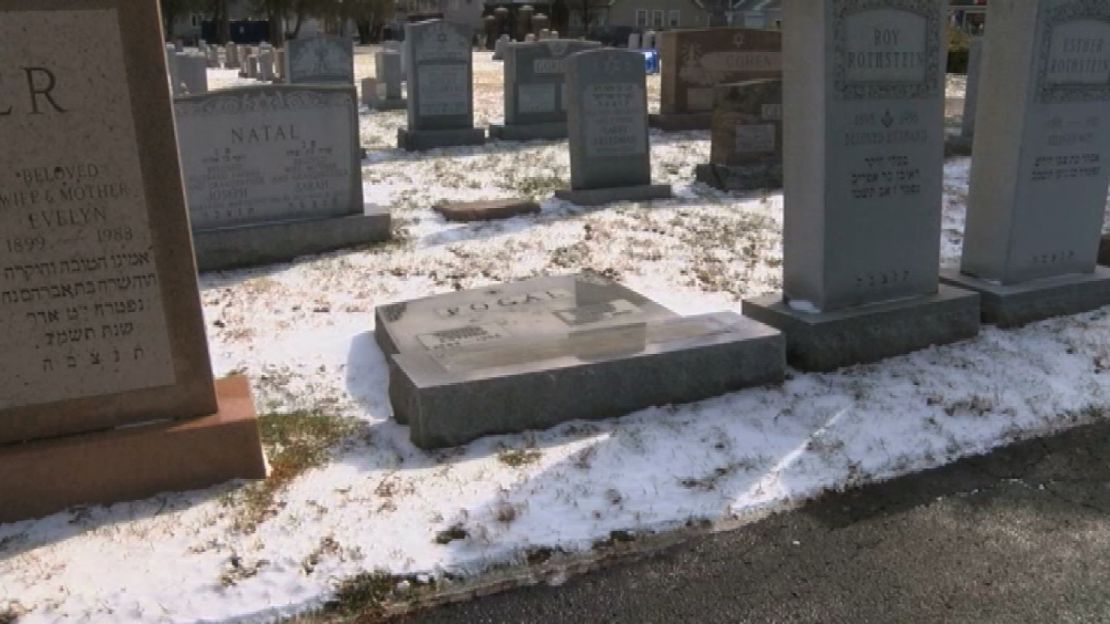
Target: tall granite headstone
pixel 746 149
pixel 531 354
pixel 231 57
pixel 273 173
pixel 385 91
pixel 535 91
pixel 1042 162
pixel 694 61
pixel 322 59
pixel 971 93
pixel 864 132
pixel 610 155
pixel 441 87
pixel 101 317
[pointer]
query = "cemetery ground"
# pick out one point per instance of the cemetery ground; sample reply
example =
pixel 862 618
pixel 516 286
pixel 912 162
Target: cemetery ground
pixel 355 517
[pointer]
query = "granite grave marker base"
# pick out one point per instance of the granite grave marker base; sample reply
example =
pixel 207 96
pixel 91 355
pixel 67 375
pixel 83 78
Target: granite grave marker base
pixel 534 353
pixel 740 177
pixel 529 132
pixel 1013 305
pixel 420 140
pixel 1104 251
pixel 825 341
pixel 600 196
pixel 680 122
pixel 239 246
pixel 130 463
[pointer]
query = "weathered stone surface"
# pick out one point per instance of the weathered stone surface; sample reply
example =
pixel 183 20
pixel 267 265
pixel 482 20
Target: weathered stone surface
pixel 421 140
pixel 578 346
pixel 601 196
pixel 374 97
pixel 281 241
pixel 274 173
pixel 607 122
pixel 45 477
pixel 535 94
pixel 1039 177
pixel 456 396
pixel 99 306
pixel 863 171
pixel 321 59
pixel 746 148
pixel 1014 305
pixel 388 72
pixel 694 61
pixel 274 153
pixel 440 87
pixel 858 335
pixel 486 210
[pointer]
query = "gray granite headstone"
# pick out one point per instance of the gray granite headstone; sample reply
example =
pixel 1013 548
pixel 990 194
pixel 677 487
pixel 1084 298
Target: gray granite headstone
pixel 320 60
pixel 231 56
pixel 971 94
pixel 531 354
pixel 252 66
pixel 388 64
pixel 1042 162
pixel 610 156
pixel 440 87
pixel 535 89
pixel 259 156
pixel 864 134
pixel 266 65
pixel 192 71
pixel 213 55
pixel 172 70
pixel 499 47
pixel 746 147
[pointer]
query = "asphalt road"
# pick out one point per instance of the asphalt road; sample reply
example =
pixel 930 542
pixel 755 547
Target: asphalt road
pixel 1021 535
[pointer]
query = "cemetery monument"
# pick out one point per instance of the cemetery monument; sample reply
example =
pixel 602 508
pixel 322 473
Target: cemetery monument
pixel 321 59
pixel 535 93
pixel 746 149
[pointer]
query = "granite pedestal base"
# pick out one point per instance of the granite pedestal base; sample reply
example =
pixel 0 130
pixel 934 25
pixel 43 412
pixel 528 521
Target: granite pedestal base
pixel 826 341
pixel 456 396
pixel 680 122
pixel 420 140
pixel 130 463
pixel 268 243
pixel 597 197
pixel 529 132
pixel 1014 305
pixel 958 145
pixel 1104 251
pixel 740 178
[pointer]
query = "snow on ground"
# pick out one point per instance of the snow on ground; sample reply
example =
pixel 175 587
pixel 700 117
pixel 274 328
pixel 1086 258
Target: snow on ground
pixel 302 332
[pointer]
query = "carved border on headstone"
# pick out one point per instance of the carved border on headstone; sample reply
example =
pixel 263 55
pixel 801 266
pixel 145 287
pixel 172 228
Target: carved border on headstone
pixel 849 90
pixel 1097 10
pixel 320 47
pixel 229 102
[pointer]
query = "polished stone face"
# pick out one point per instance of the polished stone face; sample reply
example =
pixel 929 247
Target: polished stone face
pixel 272 153
pixel 607 119
pixel 530 308
pixel 320 60
pixel 694 61
pixel 534 82
pixel 100 320
pixel 440 76
pixel 863 176
pixel 1039 178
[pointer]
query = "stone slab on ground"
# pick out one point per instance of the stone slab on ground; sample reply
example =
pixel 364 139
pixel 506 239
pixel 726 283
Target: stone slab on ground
pixel 420 140
pixel 529 132
pixel 281 241
pixel 1013 305
pixel 740 177
pixel 680 122
pixel 600 196
pixel 827 341
pixel 486 210
pixel 455 396
pixel 130 463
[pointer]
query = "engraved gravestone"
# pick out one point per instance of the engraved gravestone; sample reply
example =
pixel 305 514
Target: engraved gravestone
pixel 694 61
pixel 1042 162
pixel 99 309
pixel 864 137
pixel 273 173
pixel 385 92
pixel 531 354
pixel 610 158
pixel 746 148
pixel 321 59
pixel 441 88
pixel 535 90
